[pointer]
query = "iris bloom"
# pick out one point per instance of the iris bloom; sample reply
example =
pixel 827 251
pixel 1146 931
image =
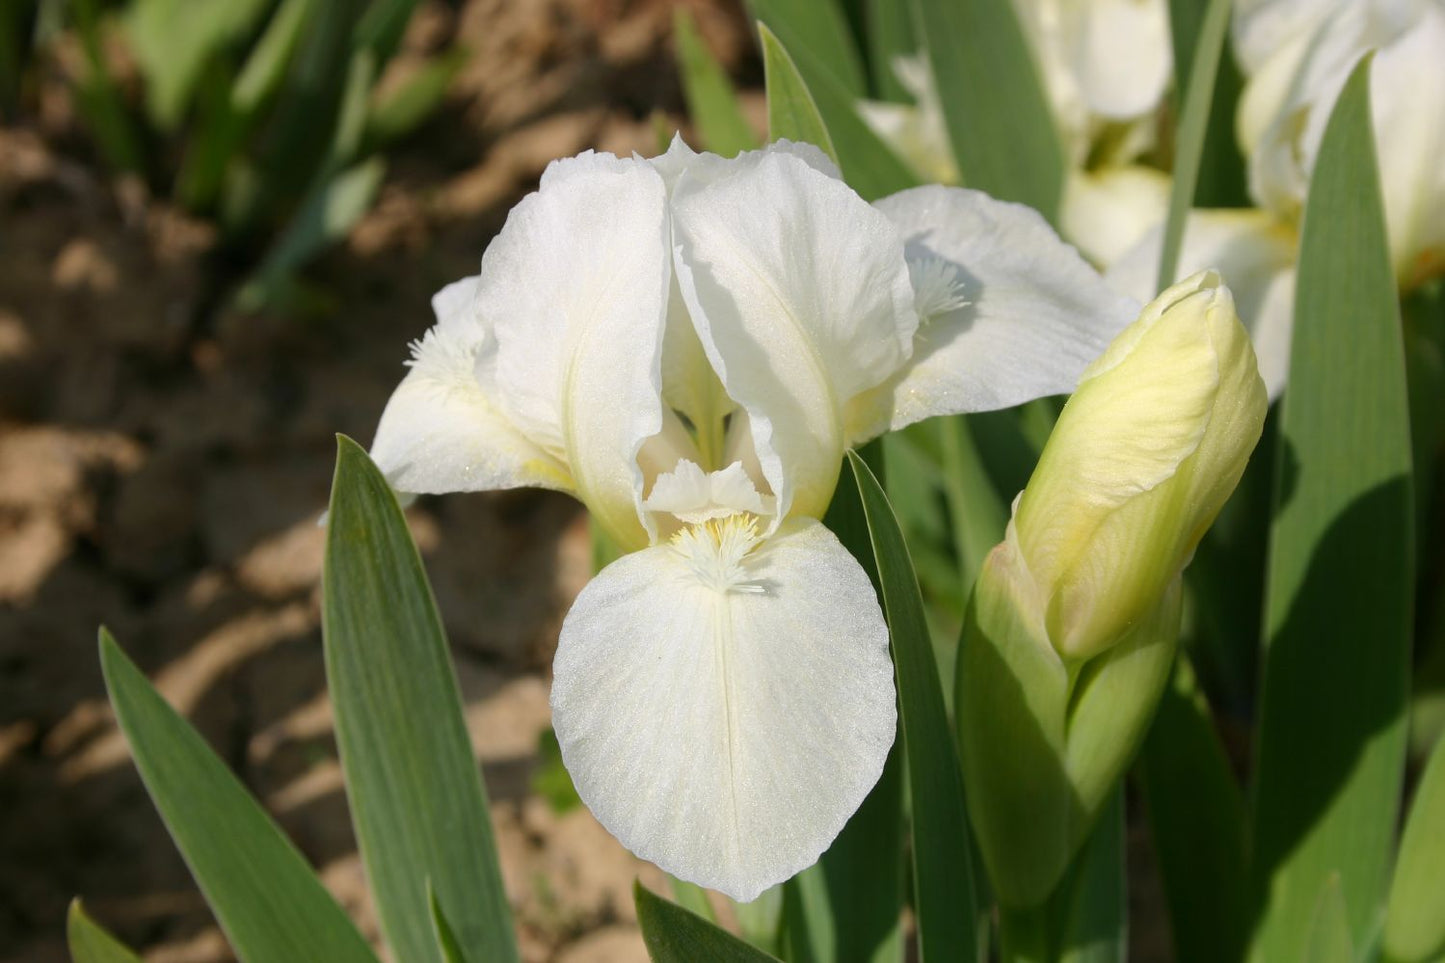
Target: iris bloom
pixel 1105 67
pixel 1297 57
pixel 689 344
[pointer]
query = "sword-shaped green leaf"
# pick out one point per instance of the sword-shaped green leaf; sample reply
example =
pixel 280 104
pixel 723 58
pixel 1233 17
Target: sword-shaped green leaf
pixel 416 795
pixel 1415 926
pixel 792 112
pixel 943 889
pixel 1198 101
pixel 711 100
pixel 270 904
pixel 674 935
pixel 994 105
pixel 868 165
pixel 1331 748
pixel 90 943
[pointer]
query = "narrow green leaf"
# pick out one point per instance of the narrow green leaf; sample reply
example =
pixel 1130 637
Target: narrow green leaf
pixel 792 114
pixel 821 28
pixel 711 101
pixel 90 943
pixel 100 98
pixel 1189 141
pixel 326 215
pixel 673 935
pixel 415 101
pixel 1095 904
pixel 868 165
pixel 1329 938
pixel 977 515
pixel 174 40
pixel 267 900
pixel 266 65
pixel 847 908
pixel 994 106
pixel 1197 817
pixel 417 800
pixel 1223 180
pixel 1338 606
pixel 943 890
pixel 1415 926
pixel 446 937
pixel 889 36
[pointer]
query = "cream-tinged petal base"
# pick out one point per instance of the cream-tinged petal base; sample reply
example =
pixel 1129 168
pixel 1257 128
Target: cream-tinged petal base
pixel 1036 313
pixel 727 735
pixel 801 298
pixel 441 430
pixel 1105 212
pixel 1254 254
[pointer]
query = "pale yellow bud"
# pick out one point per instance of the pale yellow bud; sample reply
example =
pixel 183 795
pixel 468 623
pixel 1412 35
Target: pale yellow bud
pixel 1142 459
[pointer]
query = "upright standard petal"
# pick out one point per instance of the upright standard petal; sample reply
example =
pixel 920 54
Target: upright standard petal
pixel 1121 53
pixel 1253 252
pixel 723 703
pixel 442 430
pixel 1407 103
pixel 801 298
pixel 1034 314
pixel 576 287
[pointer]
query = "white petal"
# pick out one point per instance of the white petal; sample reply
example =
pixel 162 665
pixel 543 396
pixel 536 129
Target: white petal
pixel 441 430
pixel 1036 313
pixel 1253 253
pixel 727 737
pixel 1122 55
pixel 1105 212
pixel 694 495
pixel 800 295
pixel 576 286
pixel 1261 27
pixel 1407 100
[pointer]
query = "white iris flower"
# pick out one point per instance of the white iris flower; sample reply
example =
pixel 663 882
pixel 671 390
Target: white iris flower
pixel 1105 67
pixel 1297 55
pixel 689 344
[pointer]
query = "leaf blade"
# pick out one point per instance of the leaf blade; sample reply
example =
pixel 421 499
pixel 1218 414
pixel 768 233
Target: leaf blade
pixel 997 114
pixel 1331 745
pixel 266 898
pixel 792 112
pixel 711 100
pixel 1193 128
pixel 943 875
pixel 89 942
pixel 404 745
pixel 674 935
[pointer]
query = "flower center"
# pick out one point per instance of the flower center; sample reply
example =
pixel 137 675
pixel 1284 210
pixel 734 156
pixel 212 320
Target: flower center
pixel 937 288
pixel 713 551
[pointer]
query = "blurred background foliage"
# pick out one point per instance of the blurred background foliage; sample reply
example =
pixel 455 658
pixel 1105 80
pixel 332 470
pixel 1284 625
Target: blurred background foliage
pixel 270 117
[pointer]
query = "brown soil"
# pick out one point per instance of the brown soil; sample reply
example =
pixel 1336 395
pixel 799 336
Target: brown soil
pixel 163 463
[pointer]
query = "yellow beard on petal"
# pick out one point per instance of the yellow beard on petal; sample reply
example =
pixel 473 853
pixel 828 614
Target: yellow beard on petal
pixel 713 552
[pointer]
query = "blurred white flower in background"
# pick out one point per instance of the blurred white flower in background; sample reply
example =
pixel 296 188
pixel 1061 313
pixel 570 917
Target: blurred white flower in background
pixel 1105 66
pixel 688 345
pixel 1297 55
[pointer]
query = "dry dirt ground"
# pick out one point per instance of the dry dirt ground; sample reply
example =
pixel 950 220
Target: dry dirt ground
pixel 163 462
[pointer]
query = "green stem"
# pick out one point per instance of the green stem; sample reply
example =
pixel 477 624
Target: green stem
pixel 1023 935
